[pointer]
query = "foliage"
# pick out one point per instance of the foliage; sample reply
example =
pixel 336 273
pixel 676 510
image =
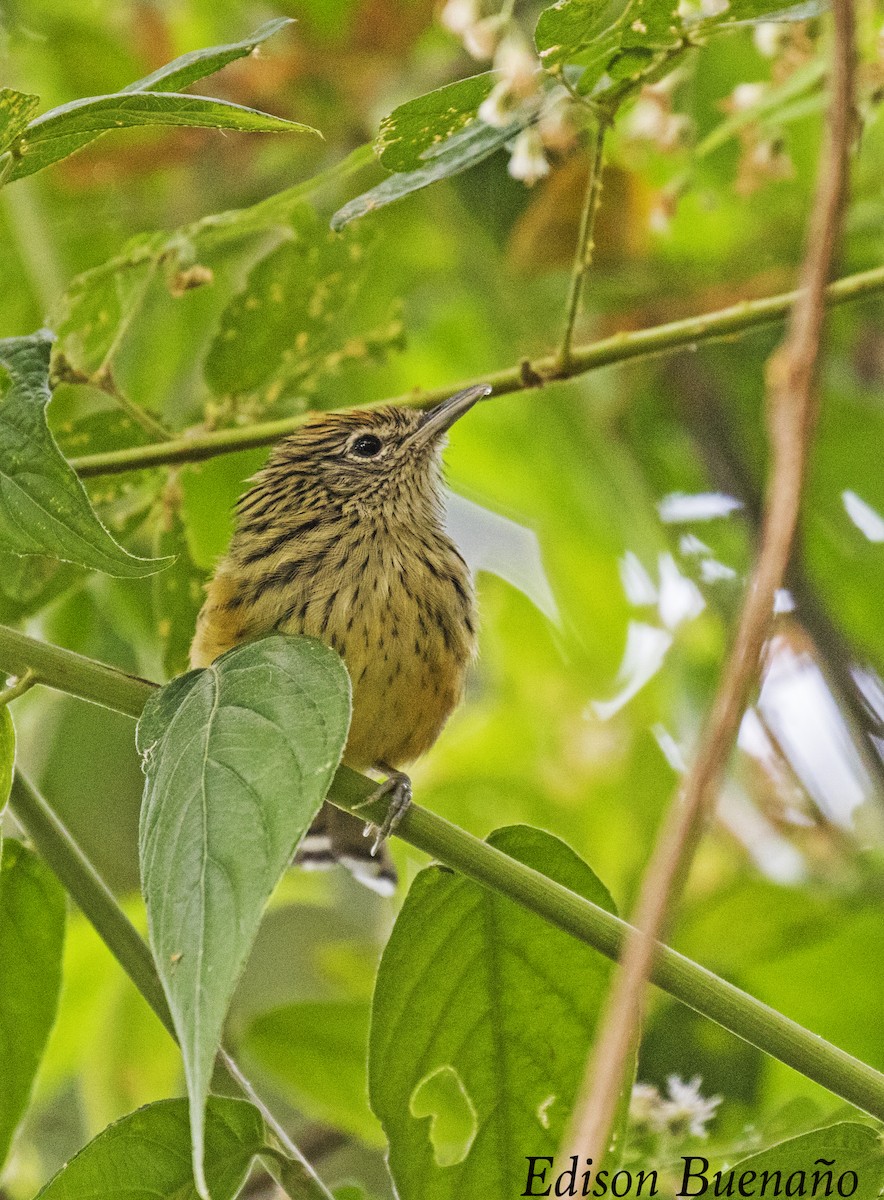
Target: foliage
pixel 204 292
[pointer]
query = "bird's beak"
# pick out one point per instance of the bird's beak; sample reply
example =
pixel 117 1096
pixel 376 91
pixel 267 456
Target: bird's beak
pixel 437 420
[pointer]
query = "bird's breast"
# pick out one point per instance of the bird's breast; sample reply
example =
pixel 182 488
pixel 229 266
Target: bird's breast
pixel 403 619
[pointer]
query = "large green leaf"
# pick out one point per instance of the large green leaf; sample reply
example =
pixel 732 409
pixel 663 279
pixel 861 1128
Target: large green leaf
pixel 146 1155
pixel 238 759
pixel 289 314
pixel 791 1166
pixel 32 919
pixel 317 1053
pixel 417 130
pixel 43 506
pixel 61 131
pixel 481 1021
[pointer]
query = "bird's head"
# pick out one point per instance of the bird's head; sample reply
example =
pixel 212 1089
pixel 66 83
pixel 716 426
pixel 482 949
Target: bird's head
pixel 366 457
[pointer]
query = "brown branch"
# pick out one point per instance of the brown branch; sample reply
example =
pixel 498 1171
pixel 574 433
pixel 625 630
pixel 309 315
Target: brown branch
pixel 792 410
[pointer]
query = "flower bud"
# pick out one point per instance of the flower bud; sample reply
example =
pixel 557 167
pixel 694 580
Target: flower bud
pixel 528 161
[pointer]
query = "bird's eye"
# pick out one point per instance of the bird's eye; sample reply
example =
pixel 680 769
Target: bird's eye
pixel 367 446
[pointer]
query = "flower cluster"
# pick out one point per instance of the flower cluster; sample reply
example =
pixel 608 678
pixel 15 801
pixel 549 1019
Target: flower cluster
pixel 680 1112
pixel 518 90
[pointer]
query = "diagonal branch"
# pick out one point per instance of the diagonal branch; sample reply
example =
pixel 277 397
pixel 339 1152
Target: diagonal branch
pixel 688 982
pixel 792 411
pixel 622 347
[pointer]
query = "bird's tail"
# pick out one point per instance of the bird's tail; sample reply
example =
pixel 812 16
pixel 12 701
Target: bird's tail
pixel 338 837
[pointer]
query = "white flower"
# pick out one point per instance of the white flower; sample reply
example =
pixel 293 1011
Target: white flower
pixel 518 66
pixel 714 8
pixel 644 1106
pixel 770 37
pixel 498 106
pixel 458 15
pixel 528 160
pixel 745 96
pixel 556 125
pixel 647 120
pixel 481 38
pixel 686 1111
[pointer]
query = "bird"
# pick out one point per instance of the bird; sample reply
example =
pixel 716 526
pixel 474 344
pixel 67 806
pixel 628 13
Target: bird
pixel 342 538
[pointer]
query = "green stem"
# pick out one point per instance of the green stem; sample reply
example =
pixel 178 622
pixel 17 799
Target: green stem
pixel 687 981
pixel 585 242
pixel 622 347
pixel 23 684
pixel 98 903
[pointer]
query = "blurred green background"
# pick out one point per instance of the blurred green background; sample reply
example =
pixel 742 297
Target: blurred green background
pixel 461 279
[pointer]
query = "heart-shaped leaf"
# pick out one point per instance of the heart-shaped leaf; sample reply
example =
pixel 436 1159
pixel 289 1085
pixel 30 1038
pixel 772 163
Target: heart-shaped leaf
pixel 238 757
pixel 481 1021
pixel 43 506
pixel 145 1155
pixel 32 920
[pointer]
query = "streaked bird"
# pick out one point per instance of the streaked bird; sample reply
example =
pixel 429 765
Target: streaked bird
pixel 342 538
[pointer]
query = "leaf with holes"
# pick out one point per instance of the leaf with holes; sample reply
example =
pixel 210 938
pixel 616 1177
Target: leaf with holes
pixel 43 506
pixel 289 315
pixel 32 920
pixel 474 142
pixel 482 1015
pixel 16 109
pixel 238 759
pixel 617 41
pixel 418 130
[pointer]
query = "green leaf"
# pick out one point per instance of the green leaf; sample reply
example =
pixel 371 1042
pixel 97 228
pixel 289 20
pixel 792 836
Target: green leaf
pixel 845 1147
pixel 622 40
pixel 184 70
pixel 178 593
pixel 595 34
pixel 414 131
pixel 476 142
pixel 43 506
pixel 289 314
pixel 61 131
pixel 96 304
pixel 317 1053
pixel 32 919
pixel 146 1155
pixel 7 755
pixel 238 758
pixel 482 1015
pixel 16 109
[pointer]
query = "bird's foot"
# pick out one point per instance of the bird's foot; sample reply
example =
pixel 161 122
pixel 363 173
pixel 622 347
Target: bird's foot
pixel 396 789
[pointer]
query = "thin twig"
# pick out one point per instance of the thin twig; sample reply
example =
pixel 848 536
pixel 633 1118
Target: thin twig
pixel 585 242
pixel 792 409
pixel 105 381
pixel 23 683
pixel 197 446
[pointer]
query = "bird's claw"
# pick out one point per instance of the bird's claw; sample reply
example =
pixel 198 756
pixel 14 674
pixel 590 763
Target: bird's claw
pixel 396 788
